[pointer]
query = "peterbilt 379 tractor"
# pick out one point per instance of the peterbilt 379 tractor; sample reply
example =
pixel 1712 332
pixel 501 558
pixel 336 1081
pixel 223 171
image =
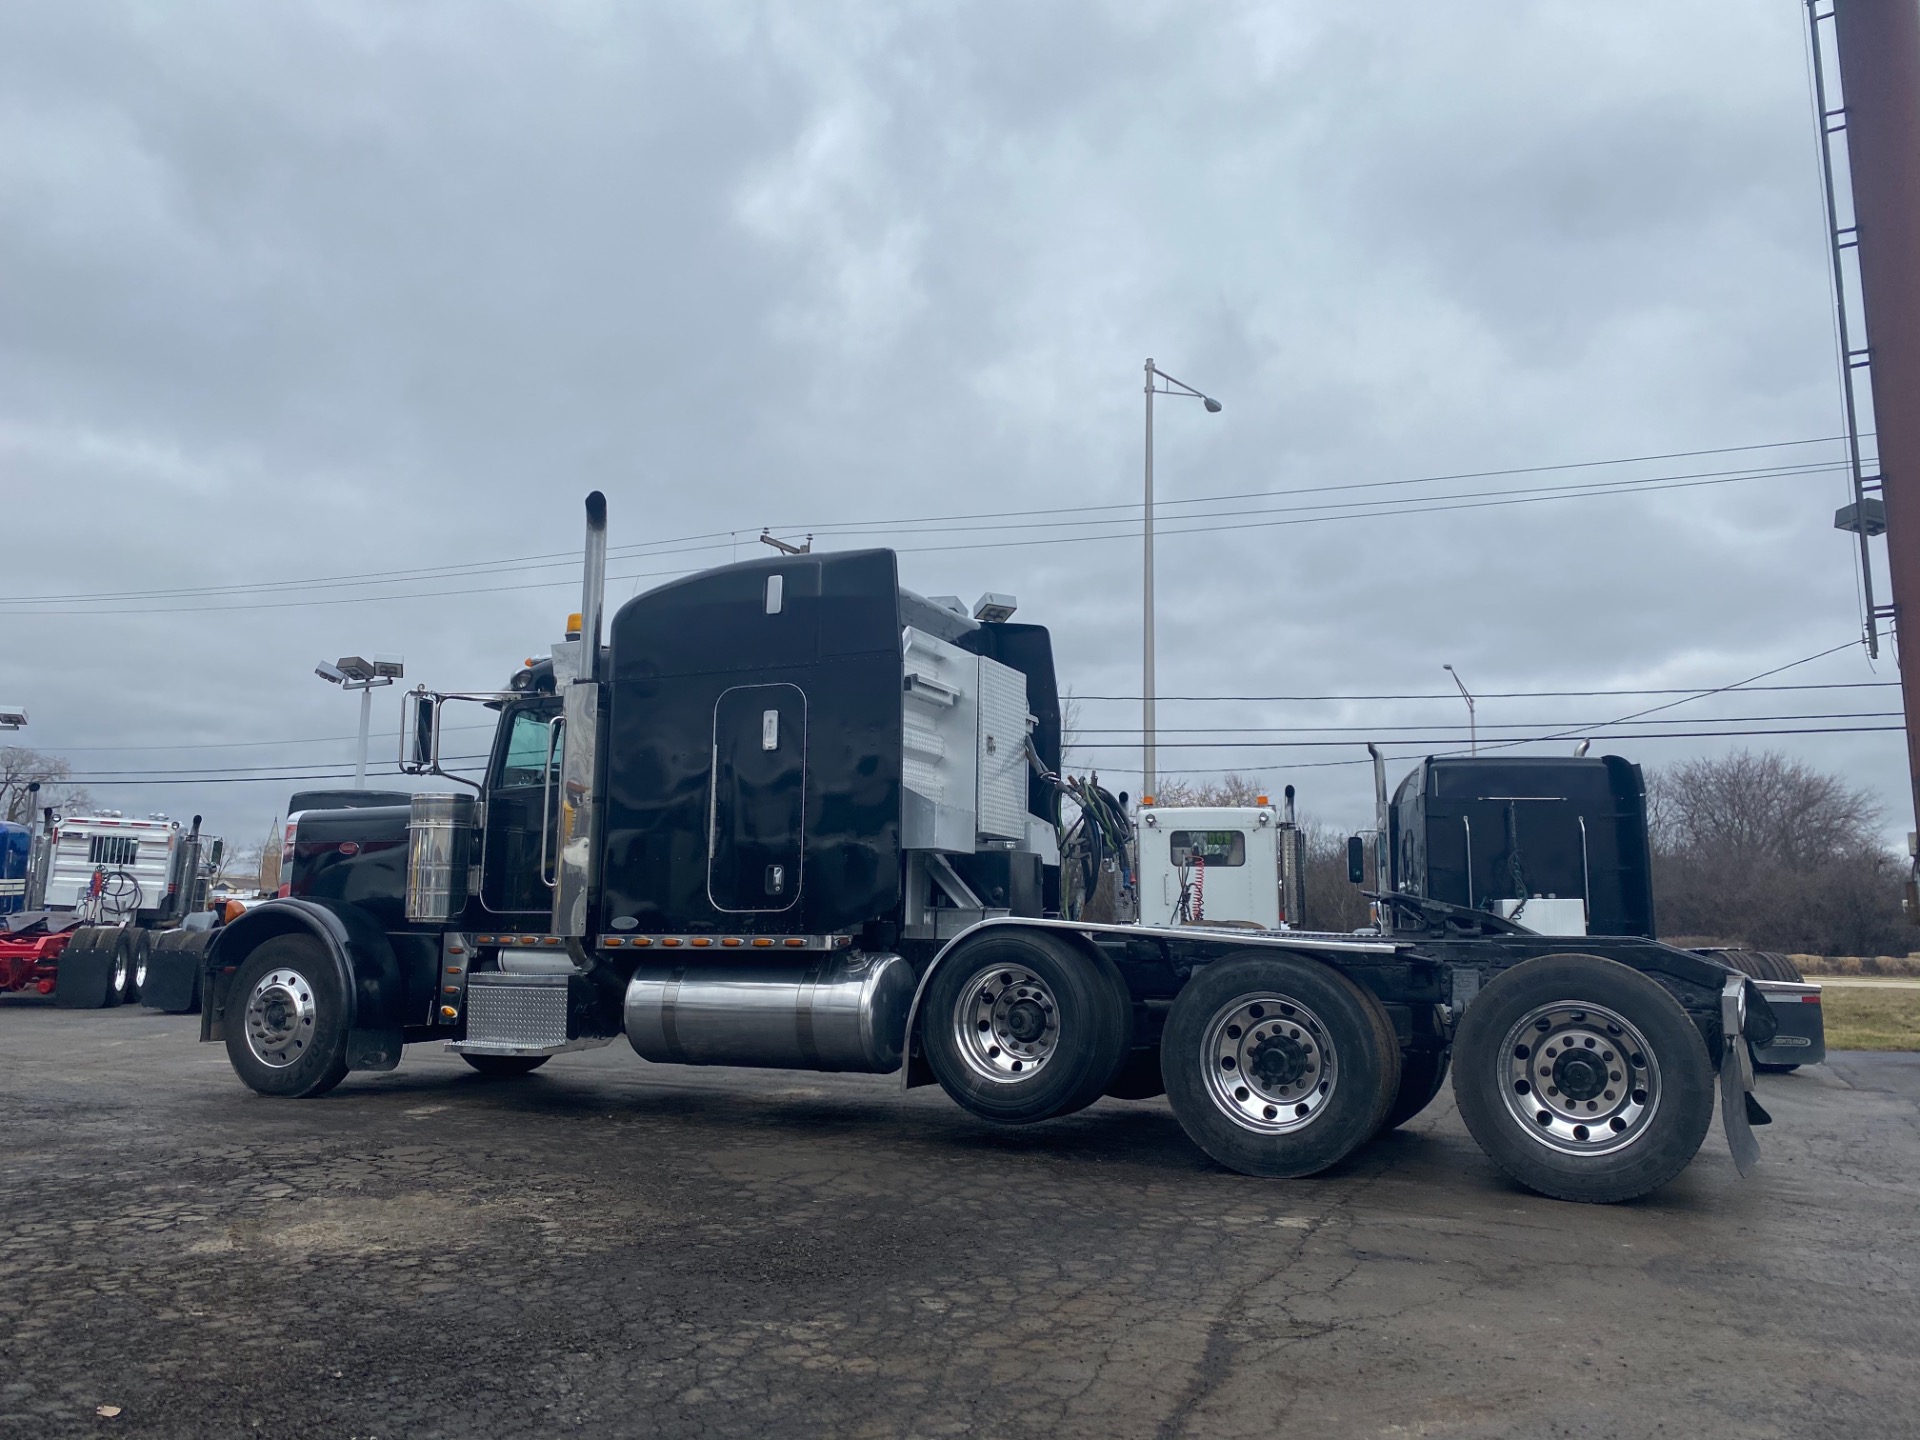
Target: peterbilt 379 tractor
pixel 791 815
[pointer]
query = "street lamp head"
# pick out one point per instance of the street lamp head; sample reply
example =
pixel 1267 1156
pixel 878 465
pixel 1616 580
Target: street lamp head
pixel 1213 405
pixel 12 717
pixel 332 674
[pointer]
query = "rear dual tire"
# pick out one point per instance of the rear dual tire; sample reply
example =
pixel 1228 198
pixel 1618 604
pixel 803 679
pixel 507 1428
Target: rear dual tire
pixel 1582 1079
pixel 1278 1065
pixel 1022 1027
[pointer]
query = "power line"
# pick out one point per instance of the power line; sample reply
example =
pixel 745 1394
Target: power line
pixel 1455 739
pixel 1356 509
pixel 634 549
pixel 1454 695
pixel 1483 726
pixel 1422 507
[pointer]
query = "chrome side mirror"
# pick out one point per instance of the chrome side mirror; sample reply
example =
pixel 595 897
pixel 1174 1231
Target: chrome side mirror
pixel 420 732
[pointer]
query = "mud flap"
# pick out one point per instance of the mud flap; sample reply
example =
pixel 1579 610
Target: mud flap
pixel 373 1049
pixel 1736 1077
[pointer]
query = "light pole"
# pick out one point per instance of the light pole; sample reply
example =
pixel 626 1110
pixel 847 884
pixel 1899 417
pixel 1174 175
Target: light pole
pixel 1473 735
pixel 1171 387
pixel 352 672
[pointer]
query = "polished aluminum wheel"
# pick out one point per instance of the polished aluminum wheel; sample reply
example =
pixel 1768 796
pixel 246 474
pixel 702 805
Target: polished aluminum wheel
pixel 140 957
pixel 1270 1065
pixel 122 966
pixel 279 1020
pixel 1006 1023
pixel 1580 1079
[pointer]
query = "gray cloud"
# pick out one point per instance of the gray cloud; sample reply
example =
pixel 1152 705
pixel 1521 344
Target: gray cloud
pixel 308 291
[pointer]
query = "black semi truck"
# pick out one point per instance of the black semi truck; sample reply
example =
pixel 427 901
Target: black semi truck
pixel 791 815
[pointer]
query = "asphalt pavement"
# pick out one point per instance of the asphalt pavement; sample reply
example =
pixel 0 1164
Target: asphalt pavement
pixel 613 1248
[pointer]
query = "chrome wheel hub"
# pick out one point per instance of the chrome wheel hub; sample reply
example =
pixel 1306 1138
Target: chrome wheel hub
pixel 1006 1024
pixel 1579 1078
pixel 1270 1066
pixel 279 1018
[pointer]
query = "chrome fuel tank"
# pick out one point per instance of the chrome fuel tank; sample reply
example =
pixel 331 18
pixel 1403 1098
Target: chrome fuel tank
pixel 843 1011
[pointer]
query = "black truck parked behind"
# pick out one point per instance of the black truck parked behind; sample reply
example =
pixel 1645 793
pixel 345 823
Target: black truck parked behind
pixel 791 815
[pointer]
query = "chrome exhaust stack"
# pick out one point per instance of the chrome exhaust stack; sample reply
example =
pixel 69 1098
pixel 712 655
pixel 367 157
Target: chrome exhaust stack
pixel 593 586
pixel 575 813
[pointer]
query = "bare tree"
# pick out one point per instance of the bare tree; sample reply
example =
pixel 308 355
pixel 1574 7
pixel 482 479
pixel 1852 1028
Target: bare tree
pixel 20 768
pixel 1763 850
pixel 1229 790
pixel 1069 729
pixel 1333 901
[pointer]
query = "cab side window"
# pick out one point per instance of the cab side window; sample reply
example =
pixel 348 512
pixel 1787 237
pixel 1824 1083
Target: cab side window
pixel 525 763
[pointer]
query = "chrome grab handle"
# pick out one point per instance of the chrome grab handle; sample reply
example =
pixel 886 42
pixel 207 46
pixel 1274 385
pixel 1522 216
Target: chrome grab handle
pixel 554 728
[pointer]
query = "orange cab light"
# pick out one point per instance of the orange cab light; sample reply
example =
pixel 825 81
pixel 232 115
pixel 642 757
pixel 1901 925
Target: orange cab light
pixel 732 942
pixel 761 942
pixel 614 942
pixel 671 941
pixel 449 1012
pixel 551 940
pixel 794 942
pixel 642 940
pixel 700 942
pixel 1146 799
pixel 1261 800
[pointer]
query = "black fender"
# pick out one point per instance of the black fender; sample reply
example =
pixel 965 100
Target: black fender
pixel 173 970
pixel 83 970
pixel 357 947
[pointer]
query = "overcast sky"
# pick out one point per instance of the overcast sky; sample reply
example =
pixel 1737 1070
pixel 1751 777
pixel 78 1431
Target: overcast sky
pixel 290 293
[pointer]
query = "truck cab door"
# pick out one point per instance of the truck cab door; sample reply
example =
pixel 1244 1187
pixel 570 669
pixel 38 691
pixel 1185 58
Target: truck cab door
pixel 526 758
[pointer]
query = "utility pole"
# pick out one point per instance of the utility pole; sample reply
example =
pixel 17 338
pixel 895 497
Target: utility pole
pixel 1877 43
pixel 1149 738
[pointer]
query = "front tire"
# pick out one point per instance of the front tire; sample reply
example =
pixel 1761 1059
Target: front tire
pixel 1278 1065
pixel 1022 1026
pixel 1582 1079
pixel 287 1019
pixel 505 1067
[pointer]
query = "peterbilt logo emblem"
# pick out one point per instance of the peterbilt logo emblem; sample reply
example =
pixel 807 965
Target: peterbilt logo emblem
pixel 349 847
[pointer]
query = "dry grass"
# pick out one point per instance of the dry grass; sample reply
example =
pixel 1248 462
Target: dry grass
pixel 1861 1017
pixel 1907 966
